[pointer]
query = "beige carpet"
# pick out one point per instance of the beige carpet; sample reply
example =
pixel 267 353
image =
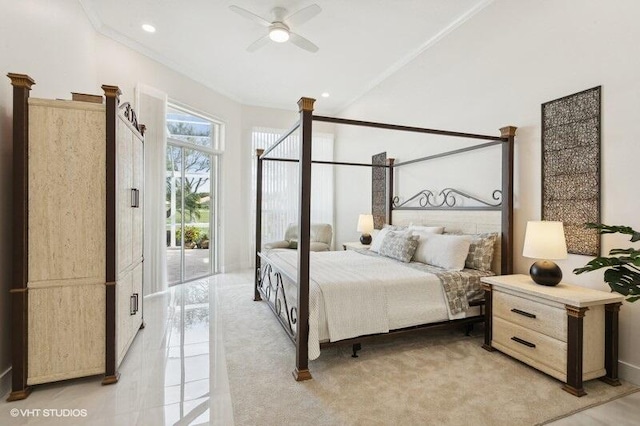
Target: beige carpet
pixel 440 378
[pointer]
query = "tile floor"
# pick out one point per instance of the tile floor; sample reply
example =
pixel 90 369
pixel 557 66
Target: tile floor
pixel 196 264
pixel 624 411
pixel 176 374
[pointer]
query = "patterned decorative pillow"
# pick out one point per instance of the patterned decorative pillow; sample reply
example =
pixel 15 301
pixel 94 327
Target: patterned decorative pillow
pixel 399 245
pixel 481 252
pixel 378 238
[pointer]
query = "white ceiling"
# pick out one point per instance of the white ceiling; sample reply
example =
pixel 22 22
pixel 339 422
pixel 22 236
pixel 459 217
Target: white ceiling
pixel 361 43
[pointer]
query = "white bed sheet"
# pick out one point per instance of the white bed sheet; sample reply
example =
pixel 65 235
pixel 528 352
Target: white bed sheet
pixel 352 295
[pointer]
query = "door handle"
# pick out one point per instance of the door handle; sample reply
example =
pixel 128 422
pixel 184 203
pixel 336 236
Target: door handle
pixel 132 304
pixel 135 197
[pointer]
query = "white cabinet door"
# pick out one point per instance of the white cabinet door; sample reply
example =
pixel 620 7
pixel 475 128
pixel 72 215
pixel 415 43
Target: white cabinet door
pixel 123 314
pixel 138 212
pixel 136 285
pixel 124 185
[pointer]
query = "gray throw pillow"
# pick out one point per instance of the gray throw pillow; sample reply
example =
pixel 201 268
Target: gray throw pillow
pixel 481 252
pixel 399 245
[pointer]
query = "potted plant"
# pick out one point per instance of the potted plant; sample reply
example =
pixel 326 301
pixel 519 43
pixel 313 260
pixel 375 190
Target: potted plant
pixel 191 235
pixel 203 241
pixel 623 265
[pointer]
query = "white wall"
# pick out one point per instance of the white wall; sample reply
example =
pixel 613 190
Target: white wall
pixel 496 70
pixel 55 44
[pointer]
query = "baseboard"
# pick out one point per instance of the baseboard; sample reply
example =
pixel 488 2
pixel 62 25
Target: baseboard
pixel 5 382
pixel 629 372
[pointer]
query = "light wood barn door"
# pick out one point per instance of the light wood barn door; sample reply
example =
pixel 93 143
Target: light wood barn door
pixel 124 186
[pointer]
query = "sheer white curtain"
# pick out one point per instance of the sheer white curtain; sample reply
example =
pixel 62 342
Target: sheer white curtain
pixel 280 184
pixel 152 112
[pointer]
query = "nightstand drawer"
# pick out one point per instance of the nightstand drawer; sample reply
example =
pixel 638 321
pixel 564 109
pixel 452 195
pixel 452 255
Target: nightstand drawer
pixel 529 314
pixel 538 347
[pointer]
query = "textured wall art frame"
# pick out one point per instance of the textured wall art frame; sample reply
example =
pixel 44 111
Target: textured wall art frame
pixel 571 129
pixel 379 190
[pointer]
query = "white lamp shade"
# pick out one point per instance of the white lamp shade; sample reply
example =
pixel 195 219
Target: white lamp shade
pixel 365 223
pixel 544 240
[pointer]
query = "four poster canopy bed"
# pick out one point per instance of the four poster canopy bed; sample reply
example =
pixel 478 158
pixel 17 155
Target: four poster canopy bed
pixel 413 277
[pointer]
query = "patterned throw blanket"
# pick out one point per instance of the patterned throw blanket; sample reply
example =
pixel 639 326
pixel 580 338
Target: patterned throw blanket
pixel 459 287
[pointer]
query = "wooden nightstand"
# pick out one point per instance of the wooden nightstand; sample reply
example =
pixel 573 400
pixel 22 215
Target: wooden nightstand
pixel 355 245
pixel 566 331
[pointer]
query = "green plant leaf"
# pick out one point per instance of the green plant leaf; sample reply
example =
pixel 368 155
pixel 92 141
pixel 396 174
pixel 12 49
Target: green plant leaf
pixel 623 272
pixel 599 262
pixel 630 251
pixel 623 280
pixel 606 229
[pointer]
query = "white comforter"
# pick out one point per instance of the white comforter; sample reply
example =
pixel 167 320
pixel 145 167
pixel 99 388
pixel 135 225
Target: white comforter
pixel 360 295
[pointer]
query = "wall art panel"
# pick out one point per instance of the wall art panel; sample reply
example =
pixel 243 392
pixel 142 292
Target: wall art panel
pixel 571 167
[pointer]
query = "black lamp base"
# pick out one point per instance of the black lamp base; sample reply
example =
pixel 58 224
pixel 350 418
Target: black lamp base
pixel 365 239
pixel 545 272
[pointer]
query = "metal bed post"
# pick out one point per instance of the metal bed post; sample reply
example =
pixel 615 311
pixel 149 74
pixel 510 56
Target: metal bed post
pixel 256 293
pixel 506 266
pixel 304 227
pixel 390 194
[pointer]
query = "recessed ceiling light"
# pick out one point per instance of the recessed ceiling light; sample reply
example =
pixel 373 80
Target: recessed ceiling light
pixel 149 28
pixel 325 95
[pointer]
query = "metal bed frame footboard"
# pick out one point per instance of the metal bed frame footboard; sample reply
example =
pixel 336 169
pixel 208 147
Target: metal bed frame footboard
pixel 270 286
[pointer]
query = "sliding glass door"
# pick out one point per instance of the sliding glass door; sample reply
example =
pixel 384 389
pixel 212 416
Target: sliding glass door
pixel 191 199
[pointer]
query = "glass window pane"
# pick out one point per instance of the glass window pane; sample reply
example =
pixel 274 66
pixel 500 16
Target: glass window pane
pixel 173 204
pixel 197 202
pixel 191 143
pixel 189 128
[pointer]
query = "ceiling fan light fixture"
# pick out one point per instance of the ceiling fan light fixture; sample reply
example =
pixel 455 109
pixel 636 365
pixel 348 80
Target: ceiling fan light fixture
pixel 279 34
pixel 279 29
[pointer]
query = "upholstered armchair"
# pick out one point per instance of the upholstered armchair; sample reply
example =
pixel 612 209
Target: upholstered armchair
pixel 321 235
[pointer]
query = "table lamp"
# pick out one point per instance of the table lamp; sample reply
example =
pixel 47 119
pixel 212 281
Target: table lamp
pixel 545 240
pixel 365 226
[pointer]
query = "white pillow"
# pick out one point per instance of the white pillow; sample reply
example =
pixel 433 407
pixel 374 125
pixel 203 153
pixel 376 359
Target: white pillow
pixel 377 240
pixel 446 251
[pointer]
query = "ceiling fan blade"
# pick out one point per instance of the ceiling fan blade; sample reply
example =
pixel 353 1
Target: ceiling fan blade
pixel 258 43
pixel 302 15
pixel 302 42
pixel 249 15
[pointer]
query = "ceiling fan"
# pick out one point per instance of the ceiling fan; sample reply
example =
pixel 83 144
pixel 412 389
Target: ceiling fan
pixel 280 27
